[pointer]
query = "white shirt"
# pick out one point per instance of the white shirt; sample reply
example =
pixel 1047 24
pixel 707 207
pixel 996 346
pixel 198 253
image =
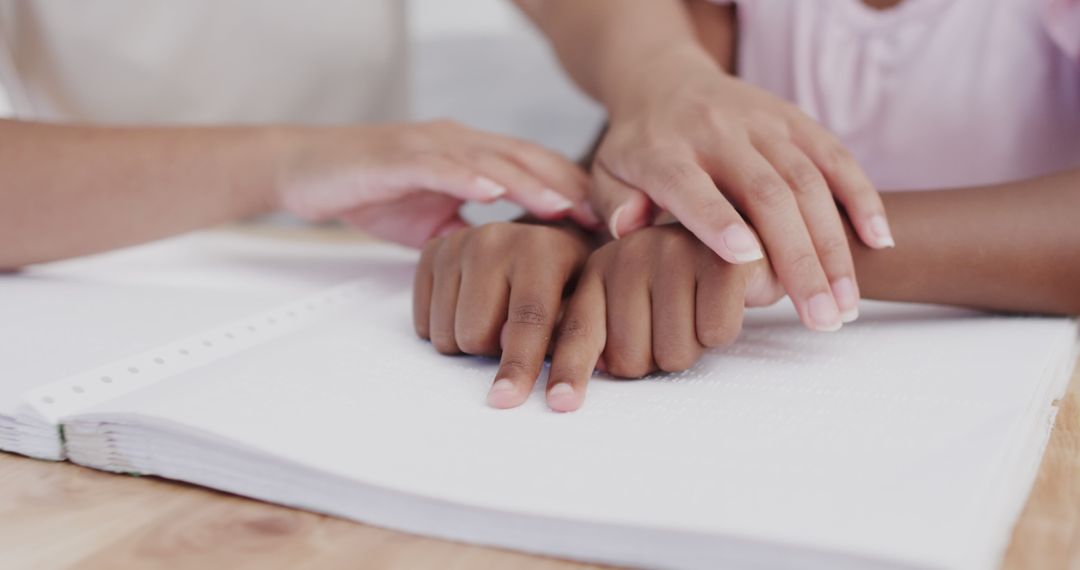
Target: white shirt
pixel 205 61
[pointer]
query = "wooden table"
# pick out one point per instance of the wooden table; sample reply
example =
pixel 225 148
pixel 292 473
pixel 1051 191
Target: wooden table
pixel 56 515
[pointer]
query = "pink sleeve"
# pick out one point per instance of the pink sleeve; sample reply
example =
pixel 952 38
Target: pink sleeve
pixel 1062 21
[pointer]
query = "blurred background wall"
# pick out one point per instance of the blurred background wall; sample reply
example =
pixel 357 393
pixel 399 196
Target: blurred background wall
pixel 481 62
pixel 5 107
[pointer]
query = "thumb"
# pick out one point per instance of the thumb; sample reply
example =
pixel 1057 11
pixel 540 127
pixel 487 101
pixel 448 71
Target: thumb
pixel 622 207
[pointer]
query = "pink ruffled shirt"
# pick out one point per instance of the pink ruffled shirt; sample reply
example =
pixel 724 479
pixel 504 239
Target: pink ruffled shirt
pixel 930 93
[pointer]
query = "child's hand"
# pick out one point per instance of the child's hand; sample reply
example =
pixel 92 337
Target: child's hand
pixel 497 288
pixel 651 301
pixel 706 147
pixel 406 182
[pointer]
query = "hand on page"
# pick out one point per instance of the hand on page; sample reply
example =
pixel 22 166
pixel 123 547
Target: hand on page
pixel 651 301
pixel 497 290
pixel 711 149
pixel 654 300
pixel 372 176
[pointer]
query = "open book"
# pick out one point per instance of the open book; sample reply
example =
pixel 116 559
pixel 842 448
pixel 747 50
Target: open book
pixel 907 440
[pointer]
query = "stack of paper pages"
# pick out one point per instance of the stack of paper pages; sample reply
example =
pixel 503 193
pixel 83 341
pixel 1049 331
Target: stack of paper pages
pixel 908 439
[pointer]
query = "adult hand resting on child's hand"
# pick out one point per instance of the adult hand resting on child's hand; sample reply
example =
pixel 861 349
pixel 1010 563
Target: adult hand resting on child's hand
pixel 708 147
pixel 653 300
pixel 406 182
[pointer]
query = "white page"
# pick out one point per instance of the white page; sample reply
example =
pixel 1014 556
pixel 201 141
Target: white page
pixel 888 439
pixel 61 318
pixel 52 328
pixel 223 260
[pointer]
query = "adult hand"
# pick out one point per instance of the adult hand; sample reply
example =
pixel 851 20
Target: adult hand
pixel 406 182
pixel 711 149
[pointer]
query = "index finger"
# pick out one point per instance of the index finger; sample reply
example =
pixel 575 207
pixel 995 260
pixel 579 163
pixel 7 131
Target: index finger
pixel 558 173
pixel 771 205
pixel 581 338
pixel 679 185
pixel 530 319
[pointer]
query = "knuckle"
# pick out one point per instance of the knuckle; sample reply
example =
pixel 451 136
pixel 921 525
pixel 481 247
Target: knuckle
pixel 672 244
pixel 543 241
pixel 712 115
pixel 833 244
pixel 767 191
pixel 530 313
pixel 473 156
pixel 836 157
pixel 523 150
pixel 425 159
pixel 573 328
pixel 489 237
pixel 805 179
pixel 805 266
pixel 671 177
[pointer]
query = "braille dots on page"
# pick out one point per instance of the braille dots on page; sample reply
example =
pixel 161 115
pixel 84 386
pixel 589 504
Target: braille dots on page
pixel 117 378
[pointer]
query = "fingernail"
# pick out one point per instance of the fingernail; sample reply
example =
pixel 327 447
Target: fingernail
pixel 879 226
pixel 490 187
pixel 503 394
pixel 613 221
pixel 847 298
pixel 742 244
pixel 824 315
pixel 561 398
pixel 554 201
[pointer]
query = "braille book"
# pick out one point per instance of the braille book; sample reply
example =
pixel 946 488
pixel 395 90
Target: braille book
pixel 909 439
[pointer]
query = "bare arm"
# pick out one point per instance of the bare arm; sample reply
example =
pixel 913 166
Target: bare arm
pixel 68 190
pixel 601 42
pixel 1012 247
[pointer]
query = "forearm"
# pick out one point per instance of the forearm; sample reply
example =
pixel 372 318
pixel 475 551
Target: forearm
pixel 1013 247
pixel 601 42
pixel 73 190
